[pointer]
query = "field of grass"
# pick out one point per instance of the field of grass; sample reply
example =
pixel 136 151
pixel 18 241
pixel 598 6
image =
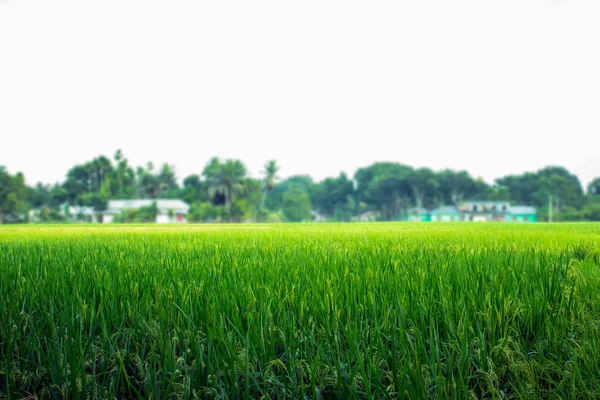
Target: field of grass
pixel 301 311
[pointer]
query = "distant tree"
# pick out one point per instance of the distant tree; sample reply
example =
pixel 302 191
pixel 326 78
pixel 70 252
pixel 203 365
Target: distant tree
pixel 193 190
pixel 425 187
pixel 593 188
pixel 212 169
pixel 385 187
pixel 270 179
pixel 332 194
pixel 39 195
pixel 552 183
pixel 563 187
pixel 90 177
pixel 520 187
pixel 119 172
pixel 58 196
pixel 147 182
pixel 498 193
pixel 98 201
pixel 6 190
pixel 271 169
pixel 457 186
pixel 296 206
pixel 226 179
pixel 13 196
pixel 591 212
pixel 123 178
pixel 274 199
pixel 253 199
pixel 167 182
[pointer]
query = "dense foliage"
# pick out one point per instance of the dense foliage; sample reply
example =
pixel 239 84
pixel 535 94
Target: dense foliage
pixel 300 311
pixel 223 192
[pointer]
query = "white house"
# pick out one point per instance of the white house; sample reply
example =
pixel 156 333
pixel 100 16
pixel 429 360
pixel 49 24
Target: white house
pixel 367 216
pixel 78 213
pixel 169 211
pixel 317 217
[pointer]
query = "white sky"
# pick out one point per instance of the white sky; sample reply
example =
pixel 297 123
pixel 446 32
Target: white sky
pixel 491 86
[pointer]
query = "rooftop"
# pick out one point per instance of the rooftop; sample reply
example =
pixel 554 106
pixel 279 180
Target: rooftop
pixel 163 205
pixel 522 210
pixel 445 210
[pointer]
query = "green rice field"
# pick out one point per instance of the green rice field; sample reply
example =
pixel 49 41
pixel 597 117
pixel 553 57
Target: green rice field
pixel 307 311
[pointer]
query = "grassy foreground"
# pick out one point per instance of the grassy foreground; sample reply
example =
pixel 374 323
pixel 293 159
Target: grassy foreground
pixel 301 311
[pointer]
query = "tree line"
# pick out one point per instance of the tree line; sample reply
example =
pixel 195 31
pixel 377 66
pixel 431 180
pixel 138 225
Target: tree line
pixel 224 192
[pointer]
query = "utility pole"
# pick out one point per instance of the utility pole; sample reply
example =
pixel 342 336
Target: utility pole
pixel 550 208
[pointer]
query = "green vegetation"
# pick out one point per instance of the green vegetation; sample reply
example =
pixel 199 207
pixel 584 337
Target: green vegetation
pixel 300 311
pixel 143 214
pixel 224 192
pixel 296 205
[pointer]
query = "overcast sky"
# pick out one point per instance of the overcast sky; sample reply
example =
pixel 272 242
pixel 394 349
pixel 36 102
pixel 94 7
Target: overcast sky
pixel 493 87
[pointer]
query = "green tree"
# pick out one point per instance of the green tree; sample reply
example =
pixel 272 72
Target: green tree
pixel 270 179
pixel 123 178
pixel 330 196
pixel 457 186
pixel 591 212
pixel 550 183
pixel 193 190
pixel 385 187
pixel 89 177
pixel 593 188
pixel 148 184
pixel 296 206
pixel 274 201
pixel 226 179
pixel 520 187
pixel 253 199
pixel 98 201
pixel 13 197
pixel 271 169
pixel 425 187
pixel 498 193
pixel 167 182
pixel 39 196
pixel 564 188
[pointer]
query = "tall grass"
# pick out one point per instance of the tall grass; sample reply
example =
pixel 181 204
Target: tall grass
pixel 301 311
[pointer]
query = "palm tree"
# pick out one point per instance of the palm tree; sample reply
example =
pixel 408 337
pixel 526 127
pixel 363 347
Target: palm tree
pixel 166 179
pixel 227 179
pixel 211 169
pixel 148 183
pixel 271 169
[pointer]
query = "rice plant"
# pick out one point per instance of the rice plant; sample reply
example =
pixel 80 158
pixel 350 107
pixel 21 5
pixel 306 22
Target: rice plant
pixel 440 311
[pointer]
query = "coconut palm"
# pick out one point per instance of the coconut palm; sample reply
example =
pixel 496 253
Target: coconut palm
pixel 271 169
pixel 167 181
pixel 271 177
pixel 226 179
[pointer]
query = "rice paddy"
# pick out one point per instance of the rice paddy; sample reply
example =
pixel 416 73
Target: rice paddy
pixel 440 311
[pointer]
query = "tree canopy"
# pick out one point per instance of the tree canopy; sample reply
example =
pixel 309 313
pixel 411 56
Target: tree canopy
pixel 222 191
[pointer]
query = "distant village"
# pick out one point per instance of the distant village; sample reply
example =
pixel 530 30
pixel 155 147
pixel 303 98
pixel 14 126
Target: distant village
pixel 106 191
pixel 173 211
pixel 476 211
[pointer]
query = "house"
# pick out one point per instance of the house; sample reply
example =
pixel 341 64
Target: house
pixel 418 215
pixel 446 214
pixel 483 211
pixel 169 211
pixel 367 216
pixel 317 217
pixel 522 214
pixel 78 213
